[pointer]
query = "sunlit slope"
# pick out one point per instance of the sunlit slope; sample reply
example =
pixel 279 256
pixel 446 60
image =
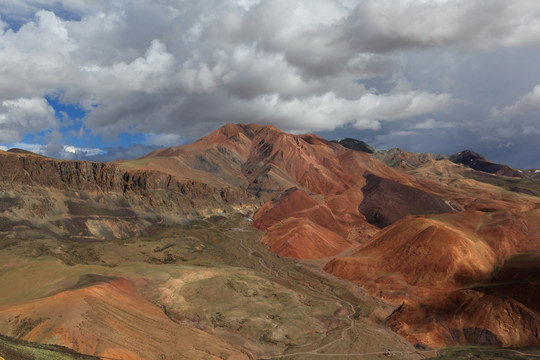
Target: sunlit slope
pixel 425 262
pixel 209 289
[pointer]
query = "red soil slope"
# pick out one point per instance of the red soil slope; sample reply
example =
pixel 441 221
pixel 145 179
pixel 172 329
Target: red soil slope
pixel 301 238
pixel 467 317
pixel 450 250
pixel 110 320
pixel 296 225
pixel 416 253
pixel 321 217
pixel 424 262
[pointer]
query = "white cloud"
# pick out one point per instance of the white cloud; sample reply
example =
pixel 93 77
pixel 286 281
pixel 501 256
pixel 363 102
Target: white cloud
pixel 84 151
pixel 388 25
pixel 35 148
pixel 506 145
pixel 145 74
pixel 528 103
pixel 430 124
pixel 25 10
pixel 254 50
pixel 23 115
pixel 327 111
pixel 403 105
pixel 3 148
pixel 163 140
pixel 531 130
pixel 402 133
pixel 367 124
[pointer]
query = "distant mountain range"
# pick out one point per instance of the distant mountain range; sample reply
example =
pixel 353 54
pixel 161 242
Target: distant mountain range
pixel 397 157
pixel 448 244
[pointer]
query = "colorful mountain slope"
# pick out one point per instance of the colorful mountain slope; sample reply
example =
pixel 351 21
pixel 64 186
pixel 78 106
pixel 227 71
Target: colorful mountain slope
pixel 425 261
pixel 109 319
pixel 425 234
pixel 321 218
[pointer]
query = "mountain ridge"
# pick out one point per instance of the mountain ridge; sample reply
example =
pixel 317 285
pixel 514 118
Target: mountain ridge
pixel 405 160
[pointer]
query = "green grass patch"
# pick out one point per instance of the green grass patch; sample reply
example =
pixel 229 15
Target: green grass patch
pixel 22 350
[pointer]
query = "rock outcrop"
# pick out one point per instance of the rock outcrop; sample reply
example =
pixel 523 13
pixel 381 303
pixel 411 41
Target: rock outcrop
pixel 94 201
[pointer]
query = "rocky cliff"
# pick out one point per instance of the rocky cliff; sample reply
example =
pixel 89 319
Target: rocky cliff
pixel 92 201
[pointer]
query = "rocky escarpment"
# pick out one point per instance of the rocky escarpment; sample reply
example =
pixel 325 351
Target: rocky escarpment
pixel 91 200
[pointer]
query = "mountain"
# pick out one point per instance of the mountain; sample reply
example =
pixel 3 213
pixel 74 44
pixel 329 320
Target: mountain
pixel 252 242
pixel 405 160
pixel 480 163
pixel 88 201
pixel 424 263
pixel 268 164
pixel 354 144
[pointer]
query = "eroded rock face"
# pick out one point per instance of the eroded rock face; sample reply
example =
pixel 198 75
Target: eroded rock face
pixel 467 317
pixel 89 201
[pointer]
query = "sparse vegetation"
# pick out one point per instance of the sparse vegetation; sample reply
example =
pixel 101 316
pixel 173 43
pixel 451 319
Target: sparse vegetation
pixel 479 353
pixel 524 186
pixel 219 278
pixel 13 349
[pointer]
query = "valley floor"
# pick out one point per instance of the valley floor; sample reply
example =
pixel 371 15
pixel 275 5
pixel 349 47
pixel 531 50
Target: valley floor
pixel 209 277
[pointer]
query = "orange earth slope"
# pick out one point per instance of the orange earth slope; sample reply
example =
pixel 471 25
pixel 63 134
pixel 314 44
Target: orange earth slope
pixel 424 263
pixel 312 188
pixel 110 319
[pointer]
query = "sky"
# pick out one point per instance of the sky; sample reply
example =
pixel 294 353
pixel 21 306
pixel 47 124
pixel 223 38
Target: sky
pixel 105 80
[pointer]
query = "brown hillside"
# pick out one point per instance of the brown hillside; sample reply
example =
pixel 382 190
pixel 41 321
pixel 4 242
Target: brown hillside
pixel 467 317
pixel 267 162
pixel 425 261
pixel 110 320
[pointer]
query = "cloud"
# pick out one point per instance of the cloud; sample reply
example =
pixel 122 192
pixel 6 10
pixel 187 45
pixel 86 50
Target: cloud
pixel 403 105
pixel 506 145
pixel 77 151
pixel 163 140
pixel 388 25
pixel 401 133
pixel 22 115
pixel 274 60
pixel 530 130
pixel 35 148
pixel 430 124
pixel 177 70
pixel 530 102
